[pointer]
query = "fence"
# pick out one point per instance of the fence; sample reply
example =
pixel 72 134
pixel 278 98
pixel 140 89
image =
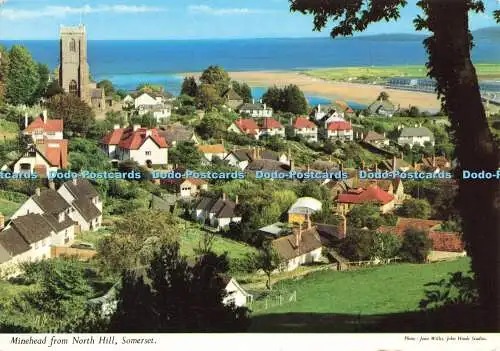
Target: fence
pixel 58 251
pixel 272 299
pixel 360 264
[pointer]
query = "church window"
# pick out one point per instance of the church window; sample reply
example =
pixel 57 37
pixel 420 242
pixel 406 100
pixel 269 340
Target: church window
pixel 72 45
pixel 73 88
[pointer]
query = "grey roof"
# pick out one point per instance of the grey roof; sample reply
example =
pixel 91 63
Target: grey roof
pixel 51 202
pixel 230 94
pixel 12 243
pixel 86 208
pixel 56 225
pixel 286 246
pixel 267 165
pixel 416 132
pixel 157 203
pixel 251 107
pixel 221 208
pixel 276 229
pixel 384 104
pixel 83 188
pixel 328 233
pixel 176 133
pixel 33 227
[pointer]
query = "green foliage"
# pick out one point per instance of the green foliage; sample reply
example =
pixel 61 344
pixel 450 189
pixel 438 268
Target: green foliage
pixel 23 79
pixel 43 74
pixel 85 154
pixel 150 88
pixel 243 90
pixel 289 99
pixel 415 208
pixel 76 114
pixel 268 260
pixel 189 87
pixel 208 97
pixel 53 89
pixel 147 120
pixel 186 154
pixel 172 296
pixel 357 245
pixel 416 245
pixel 385 245
pixel 212 126
pixel 217 77
pixel 365 215
pixel 107 85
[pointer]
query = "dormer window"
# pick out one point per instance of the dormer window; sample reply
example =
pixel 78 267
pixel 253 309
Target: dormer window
pixel 61 217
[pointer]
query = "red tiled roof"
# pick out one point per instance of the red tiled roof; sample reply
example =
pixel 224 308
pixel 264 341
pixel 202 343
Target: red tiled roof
pixel 303 122
pixel 344 106
pixel 446 241
pixel 52 125
pixel 340 125
pixel 371 194
pixel 271 123
pixel 56 152
pixel 405 223
pixel 128 139
pixel 247 126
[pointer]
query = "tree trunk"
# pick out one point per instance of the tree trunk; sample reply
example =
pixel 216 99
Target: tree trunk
pixel 450 63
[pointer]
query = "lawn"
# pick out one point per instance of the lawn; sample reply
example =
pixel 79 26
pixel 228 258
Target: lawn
pixel 344 296
pixel 8 130
pixel 7 208
pixel 380 74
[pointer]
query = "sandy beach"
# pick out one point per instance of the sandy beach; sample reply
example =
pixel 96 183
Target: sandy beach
pixel 361 93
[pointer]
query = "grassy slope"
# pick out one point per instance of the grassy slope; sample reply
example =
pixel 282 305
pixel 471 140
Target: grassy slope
pixel 8 130
pixel 371 291
pixel 484 71
pixel 7 208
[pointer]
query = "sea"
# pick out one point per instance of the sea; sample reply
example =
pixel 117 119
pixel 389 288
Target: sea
pixel 130 63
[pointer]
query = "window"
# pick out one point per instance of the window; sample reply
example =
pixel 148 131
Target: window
pixel 231 300
pixel 72 45
pixel 73 88
pixel 148 153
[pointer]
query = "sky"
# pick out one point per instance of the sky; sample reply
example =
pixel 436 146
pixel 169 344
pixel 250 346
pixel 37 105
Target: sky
pixel 181 19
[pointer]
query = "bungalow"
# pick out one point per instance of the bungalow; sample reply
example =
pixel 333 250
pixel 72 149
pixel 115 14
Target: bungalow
pixel 44 129
pixel 245 126
pixel 373 194
pixel 145 146
pixel 241 158
pixel 340 131
pixel 306 129
pixel 42 158
pixel 85 201
pixel 232 99
pixel 271 127
pixel 216 212
pixel 382 108
pixel 175 133
pixel 301 247
pixel 187 187
pixel 416 136
pixel 211 151
pixel 255 110
pixel 376 139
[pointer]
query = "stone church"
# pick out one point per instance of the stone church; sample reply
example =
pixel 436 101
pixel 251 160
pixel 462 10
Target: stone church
pixel 74 73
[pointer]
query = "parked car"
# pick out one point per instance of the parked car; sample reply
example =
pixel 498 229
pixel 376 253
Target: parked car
pixel 83 246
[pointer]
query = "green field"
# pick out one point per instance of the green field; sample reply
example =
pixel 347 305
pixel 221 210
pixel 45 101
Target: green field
pixel 333 301
pixel 382 73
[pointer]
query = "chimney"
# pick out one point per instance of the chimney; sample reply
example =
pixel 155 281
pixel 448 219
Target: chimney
pixel 384 134
pixel 298 236
pixel 2 221
pixel 44 116
pixel 223 196
pixel 253 101
pixel 116 126
pixel 309 223
pixel 433 160
pixel 319 107
pixel 344 227
pixel 237 200
pixel 363 165
pixel 148 133
pixel 136 126
pixel 254 154
pixel 260 101
pixel 289 154
pixel 52 185
pixel 394 164
pixel 25 120
pixel 308 168
pixel 401 155
pixel 265 107
pixel 292 165
pixel 75 181
pixel 37 191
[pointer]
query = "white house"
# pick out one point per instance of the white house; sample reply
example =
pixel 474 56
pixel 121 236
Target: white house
pixel 341 130
pixel 256 110
pixel 306 129
pixel 145 146
pixel 271 127
pixel 241 158
pixel 41 158
pixel 416 136
pixel 211 151
pixel 85 201
pixel 235 293
pixel 44 129
pixel 145 103
pixel 216 212
pixel 145 100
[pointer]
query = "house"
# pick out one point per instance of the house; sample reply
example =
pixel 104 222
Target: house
pixel 376 139
pixel 85 201
pixel 145 146
pixel 236 295
pixel 175 133
pixel 397 164
pixel 302 209
pixel 245 126
pixel 382 108
pixel 301 247
pixel 323 112
pixel 393 187
pixel 154 104
pixel 434 164
pixel 187 187
pixel 160 112
pixel 241 158
pixel 276 230
pixel 232 99
pixel 266 165
pixel 341 130
pixel 372 194
pixel 217 212
pixel 54 209
pixel 416 136
pixel 42 158
pixel 271 127
pixel 44 129
pixel 306 129
pixel 211 151
pixel 255 110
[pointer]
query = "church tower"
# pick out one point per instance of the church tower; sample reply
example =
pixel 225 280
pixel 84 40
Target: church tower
pixel 73 66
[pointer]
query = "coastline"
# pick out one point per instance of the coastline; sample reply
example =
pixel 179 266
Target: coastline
pixel 335 90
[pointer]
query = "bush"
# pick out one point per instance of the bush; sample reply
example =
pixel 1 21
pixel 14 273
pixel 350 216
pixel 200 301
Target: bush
pixel 416 245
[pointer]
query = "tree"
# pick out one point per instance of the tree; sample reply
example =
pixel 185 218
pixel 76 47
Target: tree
pixel 53 89
pixel 213 125
pixel 217 77
pixel 189 87
pixel 208 97
pixel 269 261
pixel 107 85
pixel 383 96
pixel 243 90
pixel 416 245
pixel 273 97
pixel 357 245
pixel 172 296
pixel 365 215
pixel 186 154
pixel 385 245
pixel 4 69
pixel 415 208
pixel 22 77
pixel 150 88
pixel 78 117
pixel 294 100
pixel 85 154
pixel 449 49
pixel 43 74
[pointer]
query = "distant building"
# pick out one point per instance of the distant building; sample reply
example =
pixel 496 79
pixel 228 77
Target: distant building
pixel 306 129
pixel 211 151
pixel 434 164
pixel 340 131
pixel 302 209
pixel 256 110
pixel 372 194
pixel 415 136
pixel 175 133
pixel 42 158
pixel 376 139
pixel 382 108
pixel 232 99
pixel 393 187
pixel 271 127
pixel 156 105
pixel 216 212
pixel 245 126
pixel 189 187
pixel 396 164
pixel 44 129
pixel 241 158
